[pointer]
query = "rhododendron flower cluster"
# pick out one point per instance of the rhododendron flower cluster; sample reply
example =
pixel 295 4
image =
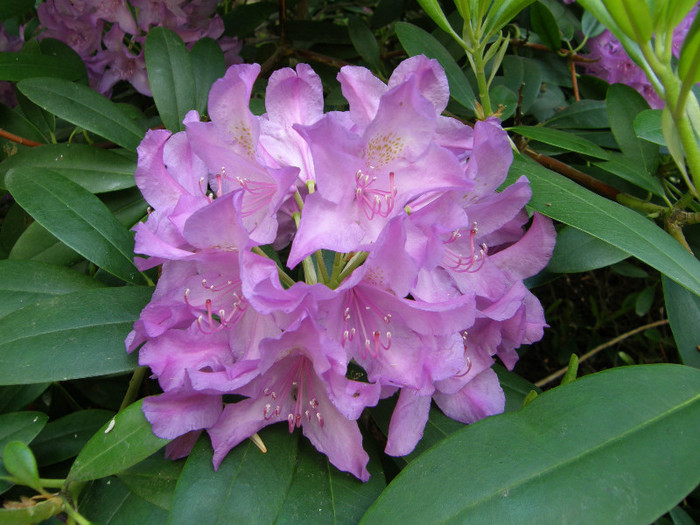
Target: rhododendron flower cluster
pixel 109 35
pixel 614 65
pixel 314 263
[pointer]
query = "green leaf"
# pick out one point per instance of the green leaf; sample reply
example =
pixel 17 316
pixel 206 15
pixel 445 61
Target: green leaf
pixel 34 514
pixel 63 438
pixel 632 17
pixel 170 76
pixel 19 66
pixel 14 122
pixel 153 479
pixel 44 121
pixel 15 8
pixel 632 171
pixel 120 444
pixel 291 483
pixel 434 11
pixel 673 140
pixel 77 218
pixel 365 42
pixel 545 26
pixel 645 299
pixel 243 19
pixel 587 452
pixel 19 462
pixel 83 107
pixel 502 12
pixel 95 169
pixel 586 114
pixel 590 26
pixel 565 201
pixel 689 61
pixel 623 105
pixel 522 73
pixel 683 310
pixel 576 251
pixel 647 126
pixel 70 336
pixel 416 41
pixel 18 426
pixel 17 397
pixel 24 282
pixel 561 139
pixel 109 502
pixel 208 65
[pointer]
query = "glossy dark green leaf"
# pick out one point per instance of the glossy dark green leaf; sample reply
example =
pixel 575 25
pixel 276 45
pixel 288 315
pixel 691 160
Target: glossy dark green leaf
pixel 520 73
pixel 24 282
pixel 14 122
pixel 44 121
pixel 505 99
pixel 631 171
pixel 291 483
pixel 19 462
pixel 14 8
pixel 19 66
pixel 623 105
pixel 70 336
pixel 561 139
pixel 154 479
pixel 416 41
pixel 545 26
pixel 365 43
pixel 95 169
pixel 683 310
pixel 63 438
pixel 208 65
pixel 43 510
pixel 83 107
pixel 121 443
pixel 565 201
pixel 586 114
pixel 647 126
pixel 586 452
pixel 109 502
pixel 243 19
pixel 170 76
pixel 18 426
pixel 576 251
pixel 17 397
pixel 63 53
pixel 77 218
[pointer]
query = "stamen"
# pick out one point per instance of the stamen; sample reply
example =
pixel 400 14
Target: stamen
pixel 366 316
pixel 374 201
pixel 458 262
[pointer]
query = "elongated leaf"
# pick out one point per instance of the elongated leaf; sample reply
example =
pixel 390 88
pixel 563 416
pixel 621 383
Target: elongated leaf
pixel 170 76
pixel 434 11
pixel 63 438
pixel 18 426
pixel 631 171
pixel 416 41
pixel 623 105
pixel 689 62
pixel 17 397
pixel 77 218
pixel 577 251
pixel 109 502
pixel 18 66
pixel 17 7
pixel 95 169
pixel 83 107
pixel 24 282
pixel 119 444
pixel 565 201
pixel 586 114
pixel 545 26
pixel 520 73
pixel 587 452
pixel 19 462
pixel 647 126
pixel 75 335
pixel 154 479
pixel 683 313
pixel 365 43
pixel 43 510
pixel 561 139
pixel 503 12
pixel 208 65
pixel 291 483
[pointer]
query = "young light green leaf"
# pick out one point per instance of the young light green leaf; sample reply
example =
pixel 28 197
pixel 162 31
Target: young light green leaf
pixel 590 26
pixel 121 443
pixel 38 513
pixel 208 65
pixel 77 218
pixel 170 76
pixel 24 282
pixel 416 41
pixel 561 139
pixel 502 12
pixel 683 309
pixel 83 107
pixel 95 169
pixel 576 251
pixel 569 447
pixel 565 201
pixel 70 336
pixel 434 11
pixel 689 61
pixel 19 462
pixel 632 17
pixel 545 26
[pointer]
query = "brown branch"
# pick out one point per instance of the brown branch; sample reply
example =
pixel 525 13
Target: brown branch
pixel 598 348
pixel 574 81
pixel 565 52
pixel 19 140
pixel 572 173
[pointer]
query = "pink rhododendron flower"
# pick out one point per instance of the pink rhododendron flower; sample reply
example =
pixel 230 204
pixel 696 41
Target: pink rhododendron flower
pixel 410 262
